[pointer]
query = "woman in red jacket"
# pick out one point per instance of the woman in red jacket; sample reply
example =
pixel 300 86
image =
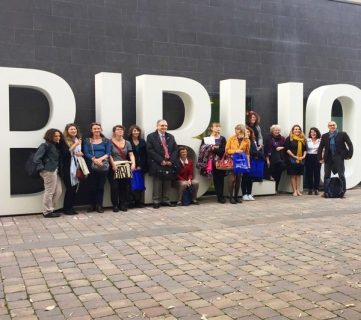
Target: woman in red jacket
pixel 185 176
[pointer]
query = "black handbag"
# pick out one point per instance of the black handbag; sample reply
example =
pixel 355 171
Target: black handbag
pixel 166 172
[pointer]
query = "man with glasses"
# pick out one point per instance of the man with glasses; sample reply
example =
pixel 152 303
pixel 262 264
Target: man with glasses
pixel 335 147
pixel 162 153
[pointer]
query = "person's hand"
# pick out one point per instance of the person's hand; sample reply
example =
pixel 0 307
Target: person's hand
pixel 268 163
pixel 114 167
pixel 279 148
pixel 168 163
pixel 132 167
pixel 163 163
pixel 189 182
pixel 79 154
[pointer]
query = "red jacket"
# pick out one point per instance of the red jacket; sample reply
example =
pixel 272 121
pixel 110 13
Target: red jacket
pixel 185 171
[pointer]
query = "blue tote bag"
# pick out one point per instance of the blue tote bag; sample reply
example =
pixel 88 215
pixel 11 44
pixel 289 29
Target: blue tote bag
pixel 257 168
pixel 240 163
pixel 137 181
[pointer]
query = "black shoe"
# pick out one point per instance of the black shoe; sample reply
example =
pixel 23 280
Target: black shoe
pixel 155 205
pixel 91 208
pixel 231 200
pixel 139 205
pixel 221 200
pixel 124 208
pixel 52 215
pixel 310 192
pixel 316 192
pixel 70 212
pixel 115 209
pixel 168 204
pixel 238 200
pixel 100 209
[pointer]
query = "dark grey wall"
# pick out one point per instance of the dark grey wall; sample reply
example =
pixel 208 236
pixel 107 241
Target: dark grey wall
pixel 265 42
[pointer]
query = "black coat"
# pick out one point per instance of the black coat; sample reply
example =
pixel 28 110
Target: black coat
pixel 155 150
pixel 344 147
pixel 140 155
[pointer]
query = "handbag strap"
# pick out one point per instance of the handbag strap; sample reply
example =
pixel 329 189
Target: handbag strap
pixel 120 151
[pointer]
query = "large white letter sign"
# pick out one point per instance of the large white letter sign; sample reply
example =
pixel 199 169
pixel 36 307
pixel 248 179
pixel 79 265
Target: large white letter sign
pixel 232 111
pixel 62 110
pixel 197 107
pixel 318 114
pixel 108 100
pixel 290 112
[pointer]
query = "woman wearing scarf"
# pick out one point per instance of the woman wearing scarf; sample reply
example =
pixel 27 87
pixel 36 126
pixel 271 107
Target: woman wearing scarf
pixel 295 146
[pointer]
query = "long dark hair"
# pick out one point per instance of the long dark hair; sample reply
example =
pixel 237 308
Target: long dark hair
pixel 95 124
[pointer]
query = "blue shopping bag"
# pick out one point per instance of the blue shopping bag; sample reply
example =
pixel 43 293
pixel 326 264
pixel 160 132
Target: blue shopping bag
pixel 240 163
pixel 257 168
pixel 137 181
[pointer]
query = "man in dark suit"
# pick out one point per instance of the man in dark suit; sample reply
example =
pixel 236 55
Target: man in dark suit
pixel 162 152
pixel 335 147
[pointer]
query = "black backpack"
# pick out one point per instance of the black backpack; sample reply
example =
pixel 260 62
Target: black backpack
pixel 333 188
pixel 30 165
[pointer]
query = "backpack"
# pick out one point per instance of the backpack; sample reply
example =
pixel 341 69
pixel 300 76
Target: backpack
pixel 30 165
pixel 333 187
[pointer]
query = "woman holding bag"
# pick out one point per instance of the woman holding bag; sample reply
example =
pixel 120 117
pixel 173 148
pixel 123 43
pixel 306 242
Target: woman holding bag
pixel 97 152
pixel 237 144
pixel 70 154
pixel 139 147
pixel 121 158
pixel 212 149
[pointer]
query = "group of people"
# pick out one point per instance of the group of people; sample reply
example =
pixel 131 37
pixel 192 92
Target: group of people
pixel 297 153
pixel 68 157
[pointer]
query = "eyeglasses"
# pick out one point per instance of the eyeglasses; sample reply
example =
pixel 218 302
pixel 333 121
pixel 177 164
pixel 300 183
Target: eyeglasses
pixel 332 125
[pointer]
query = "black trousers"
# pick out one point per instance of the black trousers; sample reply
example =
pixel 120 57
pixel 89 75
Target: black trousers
pixel 70 193
pixel 218 182
pixel 337 165
pixel 276 172
pixel 246 184
pixel 96 182
pixel 119 191
pixel 313 168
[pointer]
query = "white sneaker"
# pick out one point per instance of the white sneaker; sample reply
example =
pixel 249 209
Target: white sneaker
pixel 245 198
pixel 250 197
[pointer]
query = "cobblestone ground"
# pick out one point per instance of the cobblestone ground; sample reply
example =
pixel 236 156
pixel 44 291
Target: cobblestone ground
pixel 278 257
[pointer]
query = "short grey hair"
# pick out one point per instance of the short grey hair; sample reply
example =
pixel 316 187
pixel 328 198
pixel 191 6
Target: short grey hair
pixel 273 127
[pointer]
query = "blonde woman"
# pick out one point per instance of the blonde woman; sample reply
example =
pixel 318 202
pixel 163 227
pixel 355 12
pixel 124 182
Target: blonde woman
pixel 295 146
pixel 237 143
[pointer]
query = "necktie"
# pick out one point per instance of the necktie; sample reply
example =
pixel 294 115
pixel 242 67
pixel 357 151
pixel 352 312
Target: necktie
pixel 165 148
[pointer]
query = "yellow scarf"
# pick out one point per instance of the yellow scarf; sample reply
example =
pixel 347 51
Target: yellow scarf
pixel 300 142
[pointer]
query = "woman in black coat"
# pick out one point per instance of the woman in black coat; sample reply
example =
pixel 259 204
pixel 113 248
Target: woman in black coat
pixel 139 147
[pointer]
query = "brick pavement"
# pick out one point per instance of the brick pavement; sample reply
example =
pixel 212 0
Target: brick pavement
pixel 278 257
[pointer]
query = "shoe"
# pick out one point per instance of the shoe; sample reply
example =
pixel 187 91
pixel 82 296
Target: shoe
pixel 100 209
pixel 168 204
pixel 238 200
pixel 245 197
pixel 310 192
pixel 221 200
pixel 70 212
pixel 155 205
pixel 139 205
pixel 231 200
pixel 52 215
pixel 316 192
pixel 195 202
pixel 115 209
pixel 91 208
pixel 251 198
pixel 124 208
pixel 179 203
